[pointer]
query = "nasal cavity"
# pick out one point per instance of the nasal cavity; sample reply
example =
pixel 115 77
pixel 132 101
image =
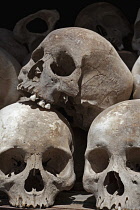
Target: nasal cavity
pixel 34 181
pixel 113 183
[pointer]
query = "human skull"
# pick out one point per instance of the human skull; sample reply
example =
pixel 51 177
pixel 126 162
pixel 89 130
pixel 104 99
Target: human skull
pixel 78 70
pixel 27 36
pixel 107 20
pixel 36 160
pixel 112 157
pixel 136 36
pixel 9 70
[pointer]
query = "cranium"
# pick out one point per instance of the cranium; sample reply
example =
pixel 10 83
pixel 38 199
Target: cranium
pixel 36 160
pixel 30 38
pixel 112 157
pixel 136 36
pixel 9 70
pixel 78 70
pixel 107 20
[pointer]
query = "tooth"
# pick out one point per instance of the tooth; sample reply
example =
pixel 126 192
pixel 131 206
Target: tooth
pixel 33 97
pixel 47 106
pixel 41 103
pixel 65 98
pixel 12 173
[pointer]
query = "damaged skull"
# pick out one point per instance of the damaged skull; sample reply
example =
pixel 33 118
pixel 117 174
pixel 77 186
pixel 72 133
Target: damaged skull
pixel 77 70
pixel 107 20
pixel 112 157
pixel 24 31
pixel 36 160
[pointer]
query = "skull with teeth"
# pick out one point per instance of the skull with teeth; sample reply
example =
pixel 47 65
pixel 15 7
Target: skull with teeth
pixel 36 160
pixel 107 20
pixel 77 70
pixel 112 157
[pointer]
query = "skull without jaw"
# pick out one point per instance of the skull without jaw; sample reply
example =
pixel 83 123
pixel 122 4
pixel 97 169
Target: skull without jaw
pixel 24 34
pixel 107 20
pixel 78 70
pixel 35 155
pixel 112 157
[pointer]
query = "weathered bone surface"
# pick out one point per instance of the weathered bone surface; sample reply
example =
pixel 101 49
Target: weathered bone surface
pixel 112 157
pixel 136 36
pixel 32 39
pixel 78 70
pixel 128 57
pixel 136 79
pixel 9 43
pixel 107 20
pixel 9 70
pixel 36 160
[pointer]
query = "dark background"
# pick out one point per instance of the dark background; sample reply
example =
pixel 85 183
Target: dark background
pixel 11 13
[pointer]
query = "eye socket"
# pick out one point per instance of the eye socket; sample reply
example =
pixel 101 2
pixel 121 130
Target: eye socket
pixel 55 160
pixel 64 65
pixel 98 159
pixel 12 161
pixel 133 159
pixel 36 70
pixel 37 25
pixel 38 54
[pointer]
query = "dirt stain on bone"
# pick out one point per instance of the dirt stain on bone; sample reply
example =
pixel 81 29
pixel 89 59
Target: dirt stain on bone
pixel 55 129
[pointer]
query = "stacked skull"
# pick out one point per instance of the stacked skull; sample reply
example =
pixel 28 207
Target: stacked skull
pixel 36 160
pixel 78 73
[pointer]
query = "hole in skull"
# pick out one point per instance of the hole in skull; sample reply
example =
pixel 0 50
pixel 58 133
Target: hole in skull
pixel 12 161
pixel 64 65
pixel 55 160
pixel 113 183
pixel 34 181
pixel 37 25
pixel 133 159
pixel 37 54
pixel 99 159
pixel 36 70
pixel 101 30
